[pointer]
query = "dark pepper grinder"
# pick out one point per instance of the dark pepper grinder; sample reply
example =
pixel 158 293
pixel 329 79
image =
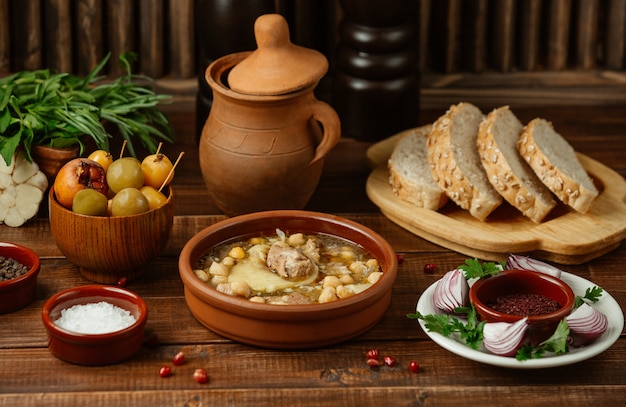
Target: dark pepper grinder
pixel 222 27
pixel 376 80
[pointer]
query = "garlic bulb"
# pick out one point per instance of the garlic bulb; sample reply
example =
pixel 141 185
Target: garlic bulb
pixel 22 188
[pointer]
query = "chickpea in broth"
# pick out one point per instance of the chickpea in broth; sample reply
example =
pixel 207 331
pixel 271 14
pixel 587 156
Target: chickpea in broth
pixel 289 269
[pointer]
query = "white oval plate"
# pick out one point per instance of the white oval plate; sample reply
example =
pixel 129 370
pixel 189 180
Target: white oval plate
pixel 606 304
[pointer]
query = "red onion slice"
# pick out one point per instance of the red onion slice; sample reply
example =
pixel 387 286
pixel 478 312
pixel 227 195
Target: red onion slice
pixel 586 324
pixel 503 338
pixel 451 291
pixel 516 261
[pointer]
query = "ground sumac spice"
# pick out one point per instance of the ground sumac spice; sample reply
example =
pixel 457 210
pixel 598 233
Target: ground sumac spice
pixel 527 305
pixel 11 268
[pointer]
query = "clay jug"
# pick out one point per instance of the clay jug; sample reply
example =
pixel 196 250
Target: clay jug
pixel 264 142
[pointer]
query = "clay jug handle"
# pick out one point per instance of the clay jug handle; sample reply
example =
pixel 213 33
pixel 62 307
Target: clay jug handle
pixel 331 125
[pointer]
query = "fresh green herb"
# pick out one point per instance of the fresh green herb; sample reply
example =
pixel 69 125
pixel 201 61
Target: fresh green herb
pixel 557 343
pixel 471 332
pixel 60 110
pixel 592 294
pixel 475 269
pixel 131 107
pixel 45 108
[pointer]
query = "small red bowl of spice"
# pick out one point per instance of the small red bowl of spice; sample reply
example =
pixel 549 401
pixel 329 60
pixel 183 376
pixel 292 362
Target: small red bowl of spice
pixel 19 267
pixel 514 294
pixel 95 324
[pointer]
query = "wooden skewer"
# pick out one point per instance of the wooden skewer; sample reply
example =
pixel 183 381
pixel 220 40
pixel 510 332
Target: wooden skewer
pixel 123 147
pixel 169 177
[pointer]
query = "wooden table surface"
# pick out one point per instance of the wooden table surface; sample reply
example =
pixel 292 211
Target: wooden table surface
pixel 335 375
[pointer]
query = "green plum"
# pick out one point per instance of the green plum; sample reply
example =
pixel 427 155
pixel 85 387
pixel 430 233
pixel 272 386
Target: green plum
pixel 125 172
pixel 129 201
pixel 90 202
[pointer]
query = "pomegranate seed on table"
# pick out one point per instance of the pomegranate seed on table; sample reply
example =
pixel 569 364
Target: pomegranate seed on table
pixel 373 362
pixel 414 366
pixel 122 282
pixel 200 376
pixel 389 361
pixel 372 354
pixel 430 268
pixel 165 371
pixel 179 359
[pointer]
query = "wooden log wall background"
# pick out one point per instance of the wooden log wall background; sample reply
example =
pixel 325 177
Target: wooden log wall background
pixel 523 51
pixel 529 51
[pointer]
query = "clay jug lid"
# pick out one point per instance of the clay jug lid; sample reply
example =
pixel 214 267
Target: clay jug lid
pixel 277 66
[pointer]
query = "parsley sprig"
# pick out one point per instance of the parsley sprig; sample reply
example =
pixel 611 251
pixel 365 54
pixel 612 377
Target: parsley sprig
pixel 475 269
pixel 471 332
pixel 557 343
pixel 592 294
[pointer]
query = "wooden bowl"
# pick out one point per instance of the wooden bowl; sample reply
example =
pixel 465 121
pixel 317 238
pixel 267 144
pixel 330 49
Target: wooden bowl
pixel 508 282
pixel 109 248
pixel 18 292
pixel 291 326
pixel 95 349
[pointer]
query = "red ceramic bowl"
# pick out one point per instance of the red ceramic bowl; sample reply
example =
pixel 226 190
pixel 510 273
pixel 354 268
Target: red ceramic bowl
pixel 18 292
pixel 510 282
pixel 287 326
pixel 95 349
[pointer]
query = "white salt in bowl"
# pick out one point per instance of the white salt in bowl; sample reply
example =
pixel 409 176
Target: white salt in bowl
pixel 95 348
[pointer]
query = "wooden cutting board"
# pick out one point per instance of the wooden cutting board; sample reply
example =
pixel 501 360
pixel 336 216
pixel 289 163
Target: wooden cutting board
pixel 565 237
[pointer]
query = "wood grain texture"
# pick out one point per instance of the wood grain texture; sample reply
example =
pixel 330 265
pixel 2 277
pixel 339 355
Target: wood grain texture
pixel 89 34
pixel 109 248
pixel 530 34
pixel 182 43
pixel 336 375
pixel 558 34
pixel 59 44
pixel 616 34
pixel 528 89
pixel 565 236
pixel 503 34
pixel 423 39
pixel 152 37
pixel 120 32
pixel 5 37
pixel 456 37
pixel 586 34
pixel 27 52
pixel 476 35
pixel 453 45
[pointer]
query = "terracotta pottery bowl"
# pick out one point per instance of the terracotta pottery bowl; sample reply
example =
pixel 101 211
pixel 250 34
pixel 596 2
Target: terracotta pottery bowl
pixel 294 326
pixel 94 349
pixel 109 248
pixel 510 282
pixel 18 292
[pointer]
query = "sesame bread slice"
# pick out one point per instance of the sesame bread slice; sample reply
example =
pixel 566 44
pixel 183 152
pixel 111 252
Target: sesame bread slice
pixel 409 174
pixel 554 161
pixel 455 163
pixel 507 171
